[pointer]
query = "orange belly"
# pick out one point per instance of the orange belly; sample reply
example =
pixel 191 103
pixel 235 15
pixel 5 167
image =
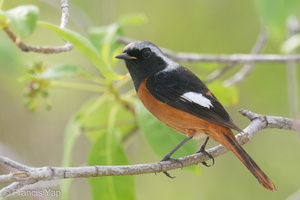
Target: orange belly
pixel 191 125
pixel 178 120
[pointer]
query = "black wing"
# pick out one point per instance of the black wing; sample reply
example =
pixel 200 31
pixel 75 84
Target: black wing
pixel 169 87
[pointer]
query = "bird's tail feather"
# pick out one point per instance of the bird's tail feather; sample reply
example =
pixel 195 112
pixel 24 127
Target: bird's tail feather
pixel 262 178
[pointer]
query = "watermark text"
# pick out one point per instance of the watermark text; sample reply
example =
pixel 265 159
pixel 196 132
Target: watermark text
pixel 34 193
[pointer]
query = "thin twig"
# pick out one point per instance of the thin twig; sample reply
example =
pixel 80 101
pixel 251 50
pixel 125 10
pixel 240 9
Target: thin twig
pixel 293 28
pixel 234 58
pixel 218 73
pixel 15 165
pixel 64 13
pixel 14 187
pixel 29 176
pixel 44 49
pixel 248 67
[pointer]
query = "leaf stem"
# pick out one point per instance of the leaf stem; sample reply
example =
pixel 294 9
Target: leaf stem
pixel 121 83
pixel 77 86
pixel 1 4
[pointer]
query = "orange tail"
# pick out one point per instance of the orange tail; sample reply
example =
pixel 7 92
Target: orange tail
pixel 230 142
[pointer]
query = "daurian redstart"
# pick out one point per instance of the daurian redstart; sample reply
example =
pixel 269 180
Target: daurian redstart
pixel 178 98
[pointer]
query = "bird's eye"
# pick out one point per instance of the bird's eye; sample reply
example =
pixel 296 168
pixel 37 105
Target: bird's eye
pixel 146 52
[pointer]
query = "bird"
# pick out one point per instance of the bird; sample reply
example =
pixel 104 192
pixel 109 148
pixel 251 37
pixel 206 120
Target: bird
pixel 179 99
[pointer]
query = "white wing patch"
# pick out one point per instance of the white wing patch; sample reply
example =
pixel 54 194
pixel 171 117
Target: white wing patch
pixel 197 98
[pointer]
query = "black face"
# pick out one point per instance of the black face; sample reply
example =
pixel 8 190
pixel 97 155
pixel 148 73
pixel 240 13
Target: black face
pixel 145 53
pixel 144 62
pixel 142 59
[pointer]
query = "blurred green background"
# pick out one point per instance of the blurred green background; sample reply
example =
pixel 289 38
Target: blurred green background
pixel 203 26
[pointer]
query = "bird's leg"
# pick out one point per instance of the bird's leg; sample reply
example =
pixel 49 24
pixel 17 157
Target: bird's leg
pixel 168 156
pixel 202 150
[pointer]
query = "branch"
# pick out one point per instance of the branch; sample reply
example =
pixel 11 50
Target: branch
pixel 234 58
pixel 26 175
pixel 293 26
pixel 259 122
pixel 248 67
pixel 45 49
pixel 218 73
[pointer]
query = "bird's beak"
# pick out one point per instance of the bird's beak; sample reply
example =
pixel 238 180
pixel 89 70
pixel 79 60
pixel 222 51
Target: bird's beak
pixel 125 56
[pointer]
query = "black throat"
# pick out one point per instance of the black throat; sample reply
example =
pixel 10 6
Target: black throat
pixel 141 69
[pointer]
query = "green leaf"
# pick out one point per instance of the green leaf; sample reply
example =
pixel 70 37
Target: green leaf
pixel 64 187
pixel 1 4
pixel 73 131
pixel 96 35
pixel 4 22
pixel 133 19
pixel 85 47
pixel 226 95
pixel 108 150
pixel 105 38
pixel 163 139
pixel 291 44
pixel 275 14
pixel 23 19
pixel 97 124
pixel 61 71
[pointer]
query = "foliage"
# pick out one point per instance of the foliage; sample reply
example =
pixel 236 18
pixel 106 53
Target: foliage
pixel 97 118
pixel 275 14
pixel 114 114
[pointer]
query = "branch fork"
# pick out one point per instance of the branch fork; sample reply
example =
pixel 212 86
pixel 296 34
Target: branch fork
pixel 25 175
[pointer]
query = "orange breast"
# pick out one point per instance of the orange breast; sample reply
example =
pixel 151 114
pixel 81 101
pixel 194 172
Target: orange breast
pixel 178 120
